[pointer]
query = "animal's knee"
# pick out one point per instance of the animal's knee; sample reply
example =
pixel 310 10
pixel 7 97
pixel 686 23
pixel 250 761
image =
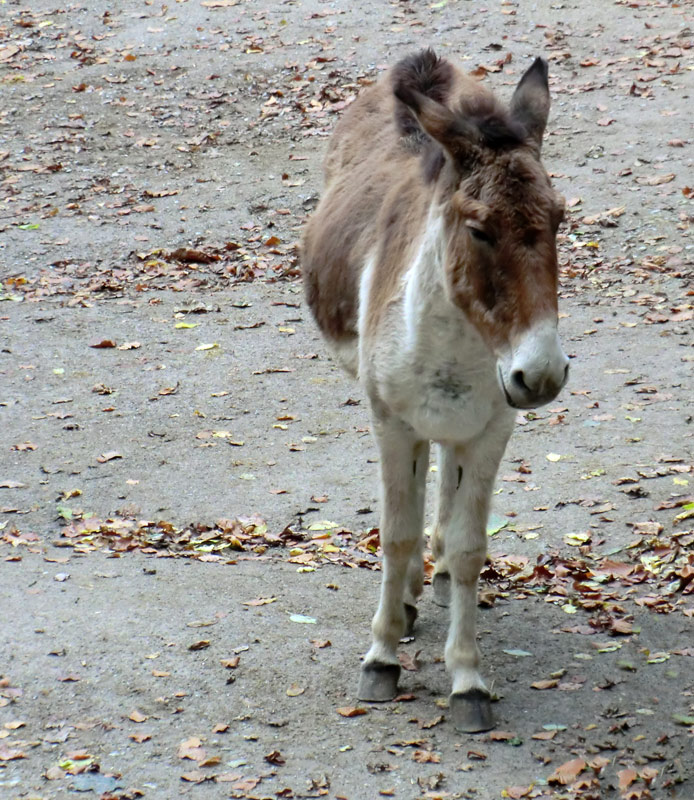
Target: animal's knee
pixel 466 565
pixel 437 547
pixel 400 549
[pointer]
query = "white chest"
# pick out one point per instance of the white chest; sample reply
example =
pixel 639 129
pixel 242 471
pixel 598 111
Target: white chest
pixel 427 362
pixel 443 383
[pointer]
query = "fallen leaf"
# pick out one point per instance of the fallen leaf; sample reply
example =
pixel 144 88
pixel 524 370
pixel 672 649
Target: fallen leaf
pixel 260 601
pixel 109 456
pixel 275 757
pixel 351 711
pixel 626 778
pixel 544 735
pixel 426 757
pixel 567 772
pixel 301 618
pixel 545 684
pixel 10 754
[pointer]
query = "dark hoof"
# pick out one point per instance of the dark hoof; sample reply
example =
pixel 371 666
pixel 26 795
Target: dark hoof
pixel 411 617
pixel 471 711
pixel 378 683
pixel 442 589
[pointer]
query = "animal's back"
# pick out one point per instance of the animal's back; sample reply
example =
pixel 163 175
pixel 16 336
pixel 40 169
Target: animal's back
pixel 376 193
pixel 365 160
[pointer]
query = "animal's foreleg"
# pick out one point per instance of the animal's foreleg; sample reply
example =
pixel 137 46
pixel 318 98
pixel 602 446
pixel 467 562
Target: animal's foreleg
pixel 465 538
pixel 403 476
pixel 414 582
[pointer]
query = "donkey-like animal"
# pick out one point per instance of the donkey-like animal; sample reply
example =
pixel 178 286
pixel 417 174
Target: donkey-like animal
pixel 430 267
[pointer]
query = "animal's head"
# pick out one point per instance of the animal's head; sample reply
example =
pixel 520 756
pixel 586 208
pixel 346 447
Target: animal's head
pixel 501 215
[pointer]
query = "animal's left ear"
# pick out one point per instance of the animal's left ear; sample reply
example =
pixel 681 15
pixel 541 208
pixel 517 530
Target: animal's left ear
pixel 530 101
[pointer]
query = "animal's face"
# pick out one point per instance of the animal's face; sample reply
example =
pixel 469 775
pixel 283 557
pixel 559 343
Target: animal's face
pixel 502 270
pixel 501 218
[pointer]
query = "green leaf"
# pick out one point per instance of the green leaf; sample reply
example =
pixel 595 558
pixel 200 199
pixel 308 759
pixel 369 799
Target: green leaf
pixel 302 619
pixel 495 524
pixel 683 719
pixel 29 226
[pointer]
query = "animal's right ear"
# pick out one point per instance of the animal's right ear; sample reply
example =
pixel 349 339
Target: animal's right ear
pixel 435 119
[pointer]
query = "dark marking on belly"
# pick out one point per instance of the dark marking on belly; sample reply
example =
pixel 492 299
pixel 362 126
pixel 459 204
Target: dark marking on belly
pixel 449 385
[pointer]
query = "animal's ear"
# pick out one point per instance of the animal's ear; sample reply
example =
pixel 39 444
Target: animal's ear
pixel 437 120
pixel 530 101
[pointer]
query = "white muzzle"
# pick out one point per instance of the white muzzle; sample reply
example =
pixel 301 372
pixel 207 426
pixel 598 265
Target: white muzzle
pixel 536 369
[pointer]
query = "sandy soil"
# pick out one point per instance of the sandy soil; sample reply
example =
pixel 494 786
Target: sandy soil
pixel 186 512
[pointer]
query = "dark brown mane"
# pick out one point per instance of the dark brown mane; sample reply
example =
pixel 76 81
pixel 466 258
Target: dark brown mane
pixel 497 128
pixel 427 74
pixel 479 117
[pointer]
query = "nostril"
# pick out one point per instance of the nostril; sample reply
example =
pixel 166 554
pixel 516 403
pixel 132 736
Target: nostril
pixel 518 380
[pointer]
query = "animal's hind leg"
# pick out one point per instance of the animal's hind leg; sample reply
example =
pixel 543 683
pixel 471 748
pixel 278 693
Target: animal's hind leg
pixel 450 473
pixel 403 482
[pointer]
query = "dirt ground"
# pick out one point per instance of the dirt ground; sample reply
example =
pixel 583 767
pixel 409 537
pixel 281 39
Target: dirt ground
pixel 188 497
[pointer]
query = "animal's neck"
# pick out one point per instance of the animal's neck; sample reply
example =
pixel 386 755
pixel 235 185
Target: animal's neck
pixel 427 309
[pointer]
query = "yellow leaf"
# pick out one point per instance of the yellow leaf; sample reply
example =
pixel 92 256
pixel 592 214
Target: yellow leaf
pixel 553 457
pixel 186 324
pixel 207 346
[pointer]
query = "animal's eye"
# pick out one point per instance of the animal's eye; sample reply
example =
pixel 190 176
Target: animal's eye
pixel 481 236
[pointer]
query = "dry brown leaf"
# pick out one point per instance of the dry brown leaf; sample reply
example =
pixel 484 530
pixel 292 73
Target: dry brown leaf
pixel 426 757
pixel 195 776
pixel 544 735
pixel 626 778
pixel 656 180
pixel 567 772
pixel 259 601
pixel 501 736
pixel 192 749
pixel 351 711
pixel 518 792
pixel 275 757
pixel 10 754
pixel 549 683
